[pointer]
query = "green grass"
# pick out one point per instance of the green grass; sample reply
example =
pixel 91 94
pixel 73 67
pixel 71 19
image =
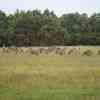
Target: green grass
pixel 27 77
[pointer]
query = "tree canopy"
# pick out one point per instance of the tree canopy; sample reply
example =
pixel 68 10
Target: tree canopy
pixel 34 28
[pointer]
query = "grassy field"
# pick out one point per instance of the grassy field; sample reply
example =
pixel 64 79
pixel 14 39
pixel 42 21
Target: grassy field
pixel 27 77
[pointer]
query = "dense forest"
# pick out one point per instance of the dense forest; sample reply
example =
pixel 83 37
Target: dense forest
pixel 36 28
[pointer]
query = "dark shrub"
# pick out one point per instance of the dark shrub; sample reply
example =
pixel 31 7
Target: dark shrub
pixel 88 53
pixel 98 52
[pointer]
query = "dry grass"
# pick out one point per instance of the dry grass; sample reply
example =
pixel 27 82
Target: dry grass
pixel 69 77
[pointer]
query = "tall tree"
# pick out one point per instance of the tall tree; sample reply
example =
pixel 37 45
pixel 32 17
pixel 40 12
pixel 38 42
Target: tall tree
pixel 3 28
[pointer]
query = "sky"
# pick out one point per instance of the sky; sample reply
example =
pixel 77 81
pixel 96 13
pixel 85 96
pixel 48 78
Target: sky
pixel 58 6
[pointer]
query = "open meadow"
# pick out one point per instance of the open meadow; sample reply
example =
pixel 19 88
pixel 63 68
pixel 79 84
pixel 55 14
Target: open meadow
pixel 50 77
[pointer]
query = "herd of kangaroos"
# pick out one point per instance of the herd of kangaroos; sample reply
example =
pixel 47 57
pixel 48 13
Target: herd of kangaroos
pixel 48 51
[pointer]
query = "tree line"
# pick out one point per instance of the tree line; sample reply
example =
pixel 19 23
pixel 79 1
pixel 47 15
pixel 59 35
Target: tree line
pixel 36 28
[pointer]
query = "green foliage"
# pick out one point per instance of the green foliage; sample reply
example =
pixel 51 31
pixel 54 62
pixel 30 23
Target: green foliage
pixel 34 28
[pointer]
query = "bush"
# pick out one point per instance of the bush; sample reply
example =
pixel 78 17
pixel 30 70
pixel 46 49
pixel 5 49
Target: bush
pixel 98 52
pixel 88 53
